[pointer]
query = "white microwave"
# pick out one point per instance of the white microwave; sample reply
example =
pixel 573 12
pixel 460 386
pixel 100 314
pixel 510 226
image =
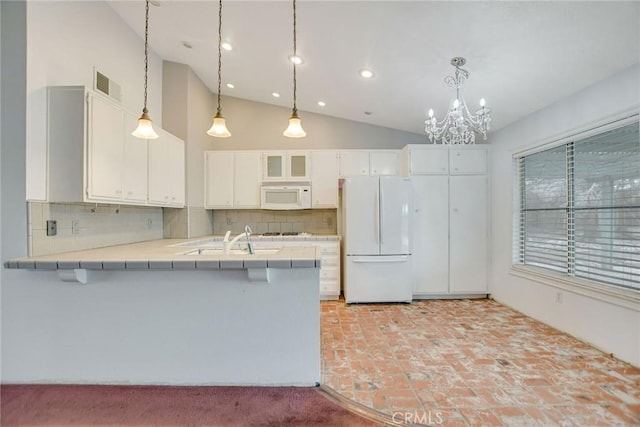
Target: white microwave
pixel 285 196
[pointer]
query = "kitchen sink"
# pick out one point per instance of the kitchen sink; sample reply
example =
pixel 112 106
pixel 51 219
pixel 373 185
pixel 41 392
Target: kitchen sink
pixel 219 251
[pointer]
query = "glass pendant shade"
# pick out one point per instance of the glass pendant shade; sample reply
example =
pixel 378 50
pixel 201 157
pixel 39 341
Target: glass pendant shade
pixel 219 127
pixel 294 130
pixel 145 128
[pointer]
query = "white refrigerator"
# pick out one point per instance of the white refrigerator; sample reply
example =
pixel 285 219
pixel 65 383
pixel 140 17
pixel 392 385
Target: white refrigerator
pixel 376 229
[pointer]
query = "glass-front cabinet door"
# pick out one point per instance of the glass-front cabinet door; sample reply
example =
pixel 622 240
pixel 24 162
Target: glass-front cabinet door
pixel 286 166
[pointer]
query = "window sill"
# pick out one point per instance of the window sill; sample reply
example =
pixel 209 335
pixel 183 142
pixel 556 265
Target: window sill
pixel 627 298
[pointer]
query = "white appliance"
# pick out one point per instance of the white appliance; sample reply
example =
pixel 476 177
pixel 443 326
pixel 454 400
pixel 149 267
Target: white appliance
pixel 376 228
pixel 285 196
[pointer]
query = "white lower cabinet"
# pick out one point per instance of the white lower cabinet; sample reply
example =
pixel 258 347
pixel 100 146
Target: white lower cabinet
pixel 468 234
pixel 329 264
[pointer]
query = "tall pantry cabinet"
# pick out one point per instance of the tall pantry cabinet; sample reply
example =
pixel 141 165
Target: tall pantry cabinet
pixel 451 243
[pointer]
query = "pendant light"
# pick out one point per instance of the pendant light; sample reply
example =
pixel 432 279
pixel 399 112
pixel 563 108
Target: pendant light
pixel 294 130
pixel 145 128
pixel 219 127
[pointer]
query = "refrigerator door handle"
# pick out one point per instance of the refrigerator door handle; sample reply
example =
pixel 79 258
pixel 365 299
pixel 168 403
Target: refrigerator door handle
pixel 376 229
pixel 381 217
pixel 379 259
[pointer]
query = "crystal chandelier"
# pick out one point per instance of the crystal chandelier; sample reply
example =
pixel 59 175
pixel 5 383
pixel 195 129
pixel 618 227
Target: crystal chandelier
pixel 459 125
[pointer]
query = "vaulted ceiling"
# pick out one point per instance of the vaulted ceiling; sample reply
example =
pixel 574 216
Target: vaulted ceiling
pixel 522 56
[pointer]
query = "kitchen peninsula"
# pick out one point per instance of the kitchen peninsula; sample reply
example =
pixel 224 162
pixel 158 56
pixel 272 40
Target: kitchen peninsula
pixel 160 312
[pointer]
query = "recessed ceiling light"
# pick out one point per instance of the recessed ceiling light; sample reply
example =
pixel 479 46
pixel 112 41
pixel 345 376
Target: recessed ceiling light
pixel 155 2
pixel 230 85
pixel 187 45
pixel 276 95
pixel 296 59
pixel 226 46
pixel 367 74
pixel 321 103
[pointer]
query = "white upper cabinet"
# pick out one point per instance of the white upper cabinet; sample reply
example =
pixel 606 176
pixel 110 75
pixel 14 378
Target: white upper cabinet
pixel 218 176
pixel 324 179
pixel 468 161
pixel 286 166
pixel 135 175
pixel 369 162
pixel 166 170
pixel 105 152
pixel 94 158
pixel 425 160
pixel 384 162
pixel 354 163
pixel 247 174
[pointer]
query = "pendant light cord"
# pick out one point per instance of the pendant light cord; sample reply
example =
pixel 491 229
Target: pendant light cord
pixel 146 54
pixel 219 52
pixel 295 56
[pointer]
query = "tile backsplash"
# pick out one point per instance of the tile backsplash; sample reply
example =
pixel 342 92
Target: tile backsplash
pixel 188 222
pixel 316 221
pixel 83 226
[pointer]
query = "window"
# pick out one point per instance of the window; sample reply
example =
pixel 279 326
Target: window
pixel 579 208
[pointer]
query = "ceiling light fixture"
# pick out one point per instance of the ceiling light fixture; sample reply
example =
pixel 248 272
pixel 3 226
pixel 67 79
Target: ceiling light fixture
pixel 275 95
pixel 230 85
pixel 296 59
pixel 321 103
pixel 219 127
pixel 145 126
pixel 459 125
pixel 367 74
pixel 294 130
pixel 227 46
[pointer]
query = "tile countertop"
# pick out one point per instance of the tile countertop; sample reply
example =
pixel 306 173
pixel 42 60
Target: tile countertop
pixel 165 255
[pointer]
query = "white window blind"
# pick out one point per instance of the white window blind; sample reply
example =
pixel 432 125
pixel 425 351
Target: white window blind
pixel 580 208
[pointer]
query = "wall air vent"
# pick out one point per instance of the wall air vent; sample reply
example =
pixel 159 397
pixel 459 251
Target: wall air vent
pixel 105 85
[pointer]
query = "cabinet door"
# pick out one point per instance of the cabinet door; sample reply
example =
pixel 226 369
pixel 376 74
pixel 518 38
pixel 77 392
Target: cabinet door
pixel 429 161
pixel 218 175
pixel 275 166
pixel 176 168
pixel 135 178
pixel 430 260
pixel 468 230
pixel 324 179
pixel 247 174
pixel 354 163
pixel 166 170
pixel 104 150
pixel 468 161
pixel 298 166
pixel 384 163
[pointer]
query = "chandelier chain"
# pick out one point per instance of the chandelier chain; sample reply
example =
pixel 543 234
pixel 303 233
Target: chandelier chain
pixel 295 109
pixel 146 53
pixel 219 51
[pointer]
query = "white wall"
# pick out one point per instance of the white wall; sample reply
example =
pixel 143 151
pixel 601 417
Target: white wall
pixel 66 40
pixel 612 328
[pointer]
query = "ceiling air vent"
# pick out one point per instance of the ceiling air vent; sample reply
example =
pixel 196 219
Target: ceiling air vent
pixel 106 86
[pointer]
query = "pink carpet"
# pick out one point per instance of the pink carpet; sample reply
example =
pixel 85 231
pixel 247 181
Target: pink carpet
pixel 91 405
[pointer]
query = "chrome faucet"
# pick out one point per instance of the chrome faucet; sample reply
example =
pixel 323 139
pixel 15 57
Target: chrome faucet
pixel 226 244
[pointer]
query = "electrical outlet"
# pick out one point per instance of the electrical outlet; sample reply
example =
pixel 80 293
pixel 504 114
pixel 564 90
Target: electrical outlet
pixel 52 227
pixel 228 221
pixel 559 297
pixel 75 226
pixel 149 223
